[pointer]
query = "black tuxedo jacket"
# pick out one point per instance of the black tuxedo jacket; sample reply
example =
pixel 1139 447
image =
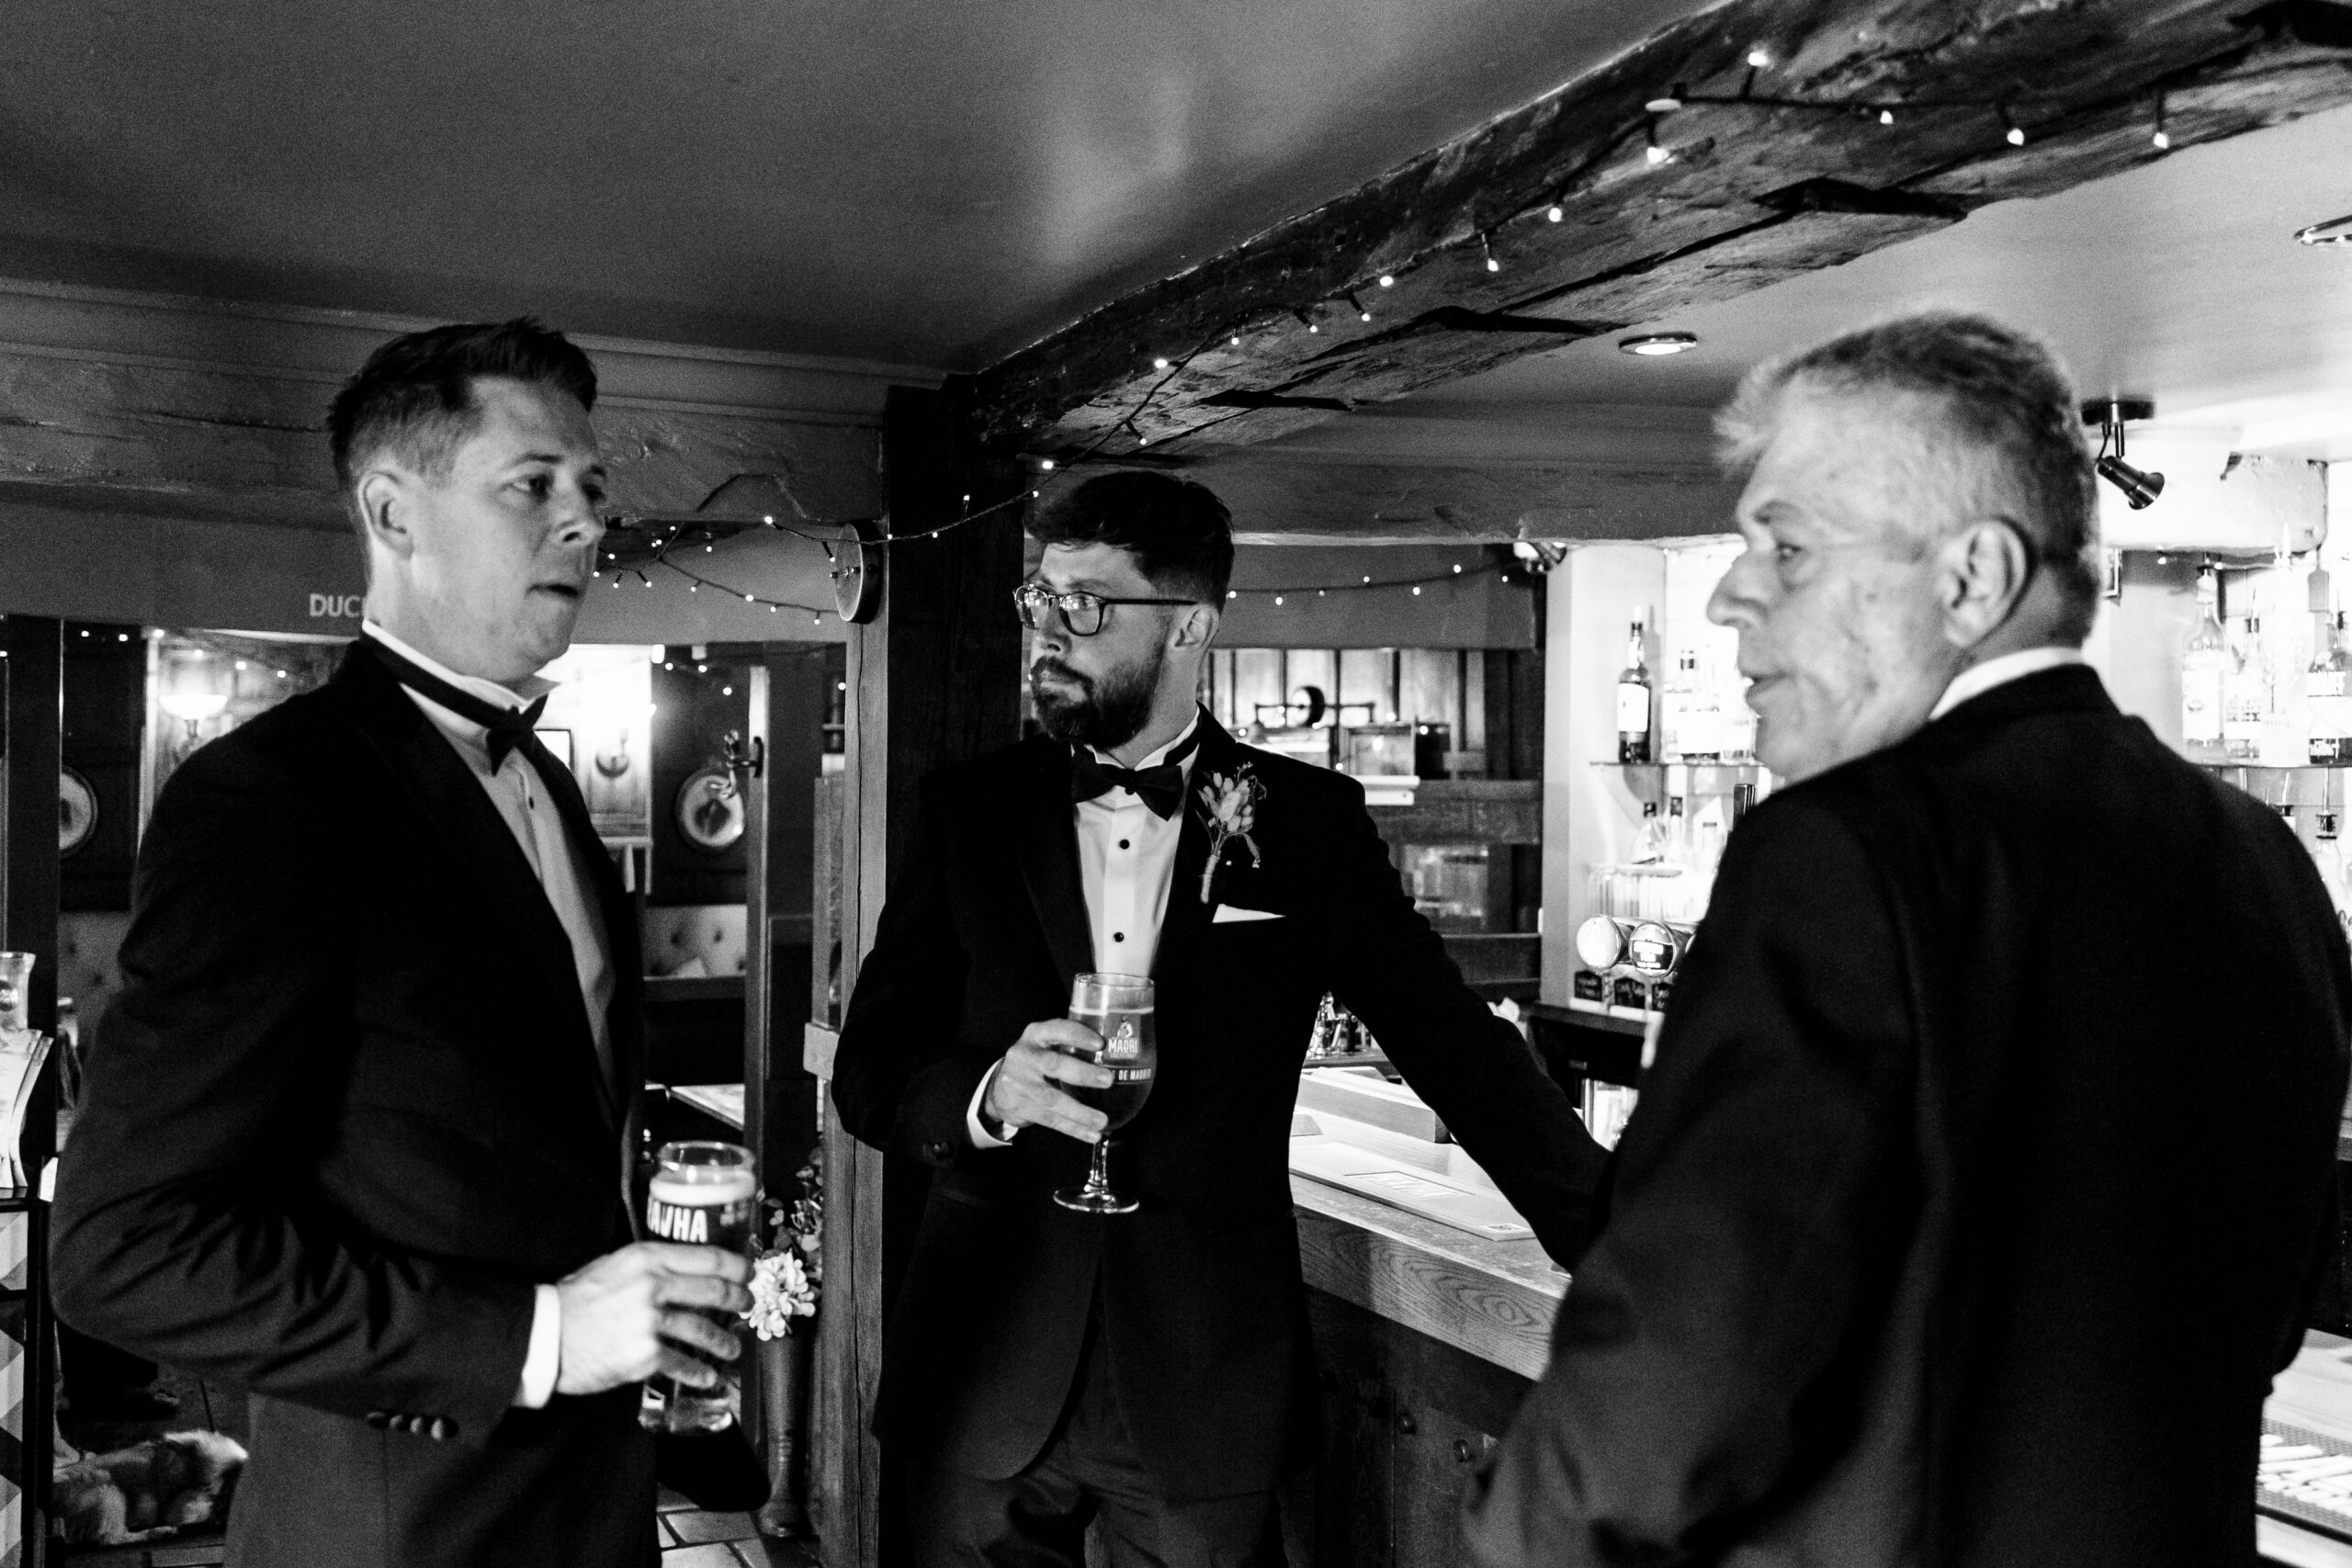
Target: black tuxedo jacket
pixel 346 1114
pixel 1980 1183
pixel 1202 1310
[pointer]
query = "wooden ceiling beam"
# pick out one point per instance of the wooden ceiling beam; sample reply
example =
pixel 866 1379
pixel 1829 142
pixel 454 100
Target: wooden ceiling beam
pixel 1265 338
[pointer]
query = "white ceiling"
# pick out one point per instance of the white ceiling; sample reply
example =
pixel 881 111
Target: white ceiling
pixel 2178 280
pixel 921 181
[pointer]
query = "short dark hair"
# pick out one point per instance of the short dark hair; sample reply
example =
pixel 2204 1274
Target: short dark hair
pixel 416 394
pixel 2007 437
pixel 1179 532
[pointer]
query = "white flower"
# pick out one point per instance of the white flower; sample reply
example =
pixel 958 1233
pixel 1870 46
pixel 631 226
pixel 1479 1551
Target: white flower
pixel 780 1292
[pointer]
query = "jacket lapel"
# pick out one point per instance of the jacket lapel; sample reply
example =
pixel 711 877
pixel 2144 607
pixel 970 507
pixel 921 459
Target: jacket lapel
pixel 1048 856
pixel 620 926
pixel 1187 915
pixel 424 762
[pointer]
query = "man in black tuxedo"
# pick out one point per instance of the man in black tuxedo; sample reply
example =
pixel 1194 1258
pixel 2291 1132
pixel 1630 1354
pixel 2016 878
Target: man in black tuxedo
pixel 1985 1172
pixel 359 1136
pixel 1044 1368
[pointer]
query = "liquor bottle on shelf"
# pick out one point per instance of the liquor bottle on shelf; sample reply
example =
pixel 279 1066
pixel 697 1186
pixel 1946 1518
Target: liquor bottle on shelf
pixel 1633 705
pixel 2204 664
pixel 1735 720
pixel 2243 695
pixel 2327 852
pixel 2327 686
pixel 1678 708
pixel 1649 845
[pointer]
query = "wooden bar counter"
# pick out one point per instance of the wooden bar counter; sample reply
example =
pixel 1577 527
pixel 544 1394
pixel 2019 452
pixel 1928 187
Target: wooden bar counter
pixel 1427 1338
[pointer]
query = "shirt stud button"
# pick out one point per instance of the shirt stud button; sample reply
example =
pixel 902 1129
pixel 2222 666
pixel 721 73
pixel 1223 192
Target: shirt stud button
pixel 1123 843
pixel 1118 936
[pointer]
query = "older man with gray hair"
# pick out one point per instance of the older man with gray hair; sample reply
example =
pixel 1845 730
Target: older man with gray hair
pixel 1985 1173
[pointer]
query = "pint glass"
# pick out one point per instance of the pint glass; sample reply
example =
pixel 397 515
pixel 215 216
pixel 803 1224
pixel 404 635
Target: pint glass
pixel 704 1194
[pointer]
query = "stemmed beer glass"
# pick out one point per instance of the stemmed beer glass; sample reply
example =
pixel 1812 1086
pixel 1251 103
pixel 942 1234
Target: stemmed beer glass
pixel 1119 1008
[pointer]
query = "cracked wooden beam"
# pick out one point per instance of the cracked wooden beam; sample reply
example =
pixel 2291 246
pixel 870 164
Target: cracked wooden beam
pixel 1267 338
pixel 242 446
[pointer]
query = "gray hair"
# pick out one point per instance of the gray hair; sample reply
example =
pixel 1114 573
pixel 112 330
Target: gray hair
pixel 2004 437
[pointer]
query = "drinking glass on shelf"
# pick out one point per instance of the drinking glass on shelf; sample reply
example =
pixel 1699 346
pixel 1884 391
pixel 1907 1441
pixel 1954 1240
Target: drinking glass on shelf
pixel 1119 1008
pixel 16 990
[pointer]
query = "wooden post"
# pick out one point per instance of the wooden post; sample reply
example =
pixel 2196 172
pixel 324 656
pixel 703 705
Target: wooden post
pixel 36 720
pixel 935 679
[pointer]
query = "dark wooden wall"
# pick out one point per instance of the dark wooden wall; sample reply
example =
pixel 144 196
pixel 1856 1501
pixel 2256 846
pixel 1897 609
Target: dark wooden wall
pixel 934 679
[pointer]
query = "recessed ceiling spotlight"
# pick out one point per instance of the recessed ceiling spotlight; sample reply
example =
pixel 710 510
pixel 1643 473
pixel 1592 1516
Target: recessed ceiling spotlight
pixel 2334 231
pixel 1654 345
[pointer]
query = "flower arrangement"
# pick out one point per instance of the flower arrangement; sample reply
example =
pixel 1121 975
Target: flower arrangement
pixel 1231 804
pixel 787 1272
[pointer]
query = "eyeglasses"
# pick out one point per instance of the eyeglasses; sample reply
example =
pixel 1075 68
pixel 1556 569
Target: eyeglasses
pixel 1081 612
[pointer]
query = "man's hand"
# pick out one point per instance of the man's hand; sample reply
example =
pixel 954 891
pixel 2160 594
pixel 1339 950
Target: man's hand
pixel 626 1314
pixel 1023 1093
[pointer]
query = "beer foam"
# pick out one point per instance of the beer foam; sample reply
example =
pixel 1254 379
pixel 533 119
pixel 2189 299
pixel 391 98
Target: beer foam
pixel 730 1186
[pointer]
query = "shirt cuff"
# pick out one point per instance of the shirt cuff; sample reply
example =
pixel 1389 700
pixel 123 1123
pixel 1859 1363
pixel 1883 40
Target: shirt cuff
pixel 975 1124
pixel 540 1367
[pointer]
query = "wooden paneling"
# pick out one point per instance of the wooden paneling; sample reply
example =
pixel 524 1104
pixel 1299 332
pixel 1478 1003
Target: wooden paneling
pixel 1466 811
pixel 1405 1418
pixel 934 679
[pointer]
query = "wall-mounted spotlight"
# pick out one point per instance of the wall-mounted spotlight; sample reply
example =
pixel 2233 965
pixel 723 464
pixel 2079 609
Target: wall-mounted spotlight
pixel 2140 486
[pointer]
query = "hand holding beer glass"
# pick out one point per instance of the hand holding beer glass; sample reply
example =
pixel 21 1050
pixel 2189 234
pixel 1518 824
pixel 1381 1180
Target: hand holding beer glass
pixel 1119 1008
pixel 702 1194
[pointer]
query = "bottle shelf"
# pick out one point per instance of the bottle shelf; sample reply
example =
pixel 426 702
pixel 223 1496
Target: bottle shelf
pixel 1676 763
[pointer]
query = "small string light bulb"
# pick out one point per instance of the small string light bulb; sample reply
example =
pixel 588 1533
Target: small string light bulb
pixel 1362 314
pixel 1307 319
pixel 1161 363
pixel 1554 212
pixel 1046 466
pixel 1492 265
pixel 1278 599
pixel 1760 58
pixel 2162 139
pixel 1886 117
pixel 2011 131
pixel 1651 150
pixel 1388 281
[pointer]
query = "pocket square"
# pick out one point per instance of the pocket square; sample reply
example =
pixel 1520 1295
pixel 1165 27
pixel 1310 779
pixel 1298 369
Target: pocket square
pixel 1236 912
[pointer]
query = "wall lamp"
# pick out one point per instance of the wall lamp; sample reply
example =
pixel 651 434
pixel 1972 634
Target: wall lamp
pixel 2140 486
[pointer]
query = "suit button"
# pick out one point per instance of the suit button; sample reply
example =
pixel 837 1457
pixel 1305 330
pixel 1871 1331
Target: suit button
pixel 443 1429
pixel 417 1423
pixel 940 1151
pixel 379 1420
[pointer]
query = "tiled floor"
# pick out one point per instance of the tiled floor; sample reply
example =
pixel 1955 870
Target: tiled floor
pixel 694 1539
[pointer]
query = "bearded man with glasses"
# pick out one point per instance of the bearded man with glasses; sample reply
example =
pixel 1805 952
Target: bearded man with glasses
pixel 1152 1371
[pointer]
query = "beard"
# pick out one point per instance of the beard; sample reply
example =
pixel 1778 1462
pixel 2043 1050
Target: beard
pixel 1106 711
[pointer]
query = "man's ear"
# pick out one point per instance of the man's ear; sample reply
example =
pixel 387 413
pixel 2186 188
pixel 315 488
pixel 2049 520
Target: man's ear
pixel 382 497
pixel 1195 627
pixel 1983 573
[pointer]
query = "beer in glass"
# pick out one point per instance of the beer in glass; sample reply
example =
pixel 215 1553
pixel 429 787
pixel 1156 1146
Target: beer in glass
pixel 704 1194
pixel 1119 1008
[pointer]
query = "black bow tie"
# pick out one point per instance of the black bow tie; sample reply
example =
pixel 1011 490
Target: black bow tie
pixel 1160 786
pixel 504 728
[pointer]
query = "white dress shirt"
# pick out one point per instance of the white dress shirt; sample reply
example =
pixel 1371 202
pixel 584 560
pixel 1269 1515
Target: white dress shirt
pixel 516 790
pixel 1979 679
pixel 1127 861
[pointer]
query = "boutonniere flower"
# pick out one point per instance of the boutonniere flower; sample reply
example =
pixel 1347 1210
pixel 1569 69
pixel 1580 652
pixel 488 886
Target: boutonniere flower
pixel 1229 804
